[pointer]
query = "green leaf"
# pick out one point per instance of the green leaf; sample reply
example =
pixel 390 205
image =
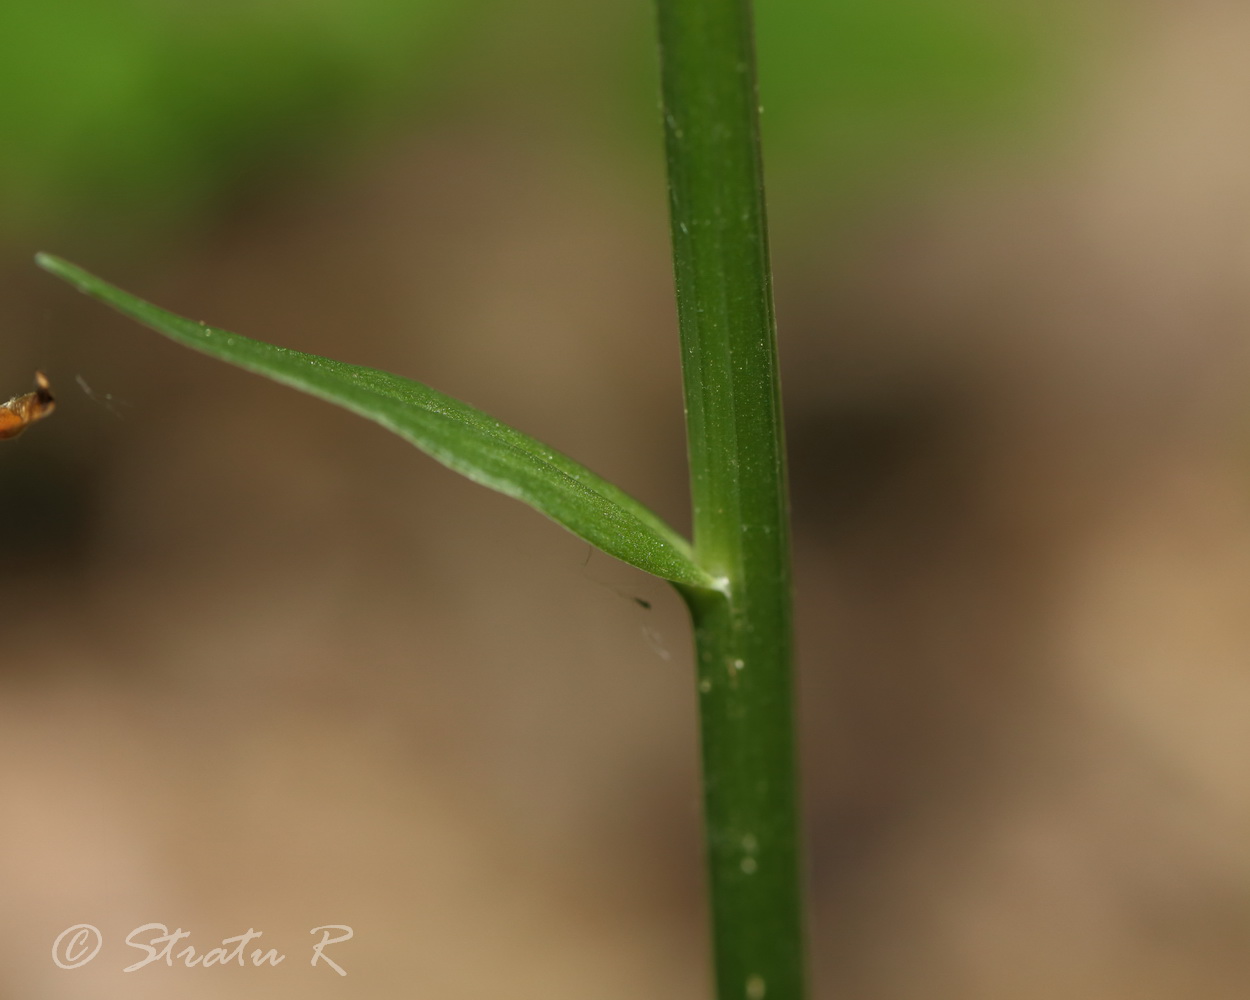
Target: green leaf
pixel 458 435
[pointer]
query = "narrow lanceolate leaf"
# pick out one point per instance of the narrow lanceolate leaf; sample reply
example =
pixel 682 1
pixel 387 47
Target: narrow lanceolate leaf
pixel 458 435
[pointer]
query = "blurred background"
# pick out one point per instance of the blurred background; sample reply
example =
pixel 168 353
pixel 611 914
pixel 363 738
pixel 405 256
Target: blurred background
pixel 264 666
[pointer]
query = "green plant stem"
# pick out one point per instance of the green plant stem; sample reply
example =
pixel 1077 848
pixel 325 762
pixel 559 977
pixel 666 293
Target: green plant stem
pixel 733 413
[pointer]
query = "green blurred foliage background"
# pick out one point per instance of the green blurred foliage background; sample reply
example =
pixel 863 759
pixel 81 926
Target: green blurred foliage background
pixel 133 107
pixel 151 110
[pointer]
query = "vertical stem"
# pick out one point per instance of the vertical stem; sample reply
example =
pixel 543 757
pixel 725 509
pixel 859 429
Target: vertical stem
pixel 741 535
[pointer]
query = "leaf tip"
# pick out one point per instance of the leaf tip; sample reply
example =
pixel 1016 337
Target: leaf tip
pixel 54 265
pixel 68 272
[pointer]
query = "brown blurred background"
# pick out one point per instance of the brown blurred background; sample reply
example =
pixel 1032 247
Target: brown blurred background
pixel 264 666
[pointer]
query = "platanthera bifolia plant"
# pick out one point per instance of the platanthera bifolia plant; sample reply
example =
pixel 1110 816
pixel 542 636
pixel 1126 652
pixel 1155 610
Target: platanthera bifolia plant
pixel 735 575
